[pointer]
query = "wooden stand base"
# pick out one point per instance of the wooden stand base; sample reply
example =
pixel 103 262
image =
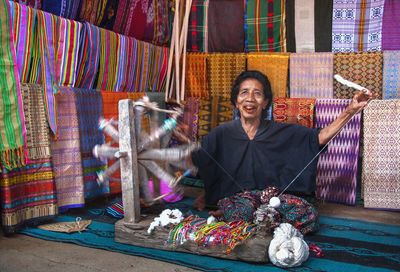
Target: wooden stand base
pixel 254 249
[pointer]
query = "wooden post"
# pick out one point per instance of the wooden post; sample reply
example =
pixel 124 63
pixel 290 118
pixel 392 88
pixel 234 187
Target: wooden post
pixel 129 165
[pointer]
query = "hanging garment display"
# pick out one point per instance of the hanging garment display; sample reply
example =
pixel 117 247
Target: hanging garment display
pixel 198 26
pixel 294 111
pixel 391 74
pixel 196 75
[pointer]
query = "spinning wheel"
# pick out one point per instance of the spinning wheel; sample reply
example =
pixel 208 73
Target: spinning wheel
pixel 139 154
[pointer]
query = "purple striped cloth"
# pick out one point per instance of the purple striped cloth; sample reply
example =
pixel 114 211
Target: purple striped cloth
pixel 311 75
pixel 337 166
pixel 390 25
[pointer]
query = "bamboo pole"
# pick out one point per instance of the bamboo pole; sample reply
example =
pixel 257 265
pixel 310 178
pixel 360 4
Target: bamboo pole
pixel 185 31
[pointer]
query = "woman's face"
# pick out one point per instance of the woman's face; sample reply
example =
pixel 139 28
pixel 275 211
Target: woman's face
pixel 251 100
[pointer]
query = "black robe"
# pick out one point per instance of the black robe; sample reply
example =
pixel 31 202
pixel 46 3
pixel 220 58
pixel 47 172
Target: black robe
pixel 275 156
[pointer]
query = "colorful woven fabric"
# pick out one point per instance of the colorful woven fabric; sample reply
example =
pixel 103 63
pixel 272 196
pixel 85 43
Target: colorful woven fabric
pixel 158 68
pixel 48 26
pixel 391 74
pixel 311 75
pixel 37 130
pixel 357 25
pixel 338 165
pixel 161 32
pixel 52 6
pixel 390 23
pixel 127 64
pixel 275 67
pixel 66 155
pixel 110 110
pixel 294 110
pixel 265 26
pixel 196 75
pixel 35 71
pixel 304 26
pixel 381 155
pixel 23 18
pixel 69 9
pixel 37 4
pixel 116 210
pixel 28 194
pixel 142 66
pixel 110 14
pixel 89 109
pixel 67 52
pixel 109 60
pixel 92 11
pixel 222 71
pixel 227 21
pixel 198 26
pixel 12 124
pixel 191 117
pixel 364 69
pixel 89 56
pixel 213 111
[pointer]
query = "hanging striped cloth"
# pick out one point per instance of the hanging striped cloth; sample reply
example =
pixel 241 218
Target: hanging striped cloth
pixel 198 26
pixel 23 18
pixel 52 6
pixel 304 25
pixel 67 53
pixel 48 26
pixel 12 125
pixel 381 155
pixel 108 64
pixel 311 75
pixel 36 4
pixel 294 111
pixel 69 9
pixel 158 68
pixel 142 67
pixel 88 56
pixel 274 66
pixel 92 11
pixel 89 106
pixel 265 26
pixel 337 166
pixel 364 69
pixel 357 25
pixel 110 14
pixel 390 25
pixel 28 193
pixel 391 74
pixel 196 75
pixel 129 59
pixel 222 69
pixel 122 65
pixel 121 17
pixel 66 154
pixel 35 71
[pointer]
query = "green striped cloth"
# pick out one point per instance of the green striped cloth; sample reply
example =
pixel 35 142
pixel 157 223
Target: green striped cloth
pixel 12 125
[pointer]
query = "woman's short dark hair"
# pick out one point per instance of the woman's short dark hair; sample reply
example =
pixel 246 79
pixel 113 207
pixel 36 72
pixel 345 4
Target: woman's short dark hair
pixel 252 74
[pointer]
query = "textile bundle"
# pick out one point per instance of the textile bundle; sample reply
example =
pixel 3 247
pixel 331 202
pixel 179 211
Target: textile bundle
pixel 390 22
pixel 364 69
pixel 198 26
pixel 337 166
pixel 66 155
pixel 294 110
pixel 381 156
pixel 265 26
pixel 196 75
pixel 12 124
pixel 89 107
pixel 311 75
pixel 28 193
pixel 274 66
pixel 357 25
pixel 391 74
pixel 213 111
pixel 222 71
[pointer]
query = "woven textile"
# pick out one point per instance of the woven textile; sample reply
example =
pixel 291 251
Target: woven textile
pixel 390 23
pixel 391 74
pixel 191 117
pixel 66 155
pixel 110 110
pixel 69 9
pixel 275 67
pixel 37 4
pixel 323 25
pixel 52 6
pixel 109 60
pixel 89 56
pixel 89 107
pixel 227 31
pixel 37 130
pixel 213 111
pixel 23 18
pixel 265 26
pixel 294 110
pixel 12 124
pixel 304 25
pixel 381 155
pixel 35 71
pixel 196 75
pixel 222 71
pixel 127 64
pixel 92 11
pixel 357 25
pixel 198 26
pixel 110 14
pixel 364 69
pixel 142 66
pixel 28 193
pixel 311 75
pixel 158 68
pixel 337 166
